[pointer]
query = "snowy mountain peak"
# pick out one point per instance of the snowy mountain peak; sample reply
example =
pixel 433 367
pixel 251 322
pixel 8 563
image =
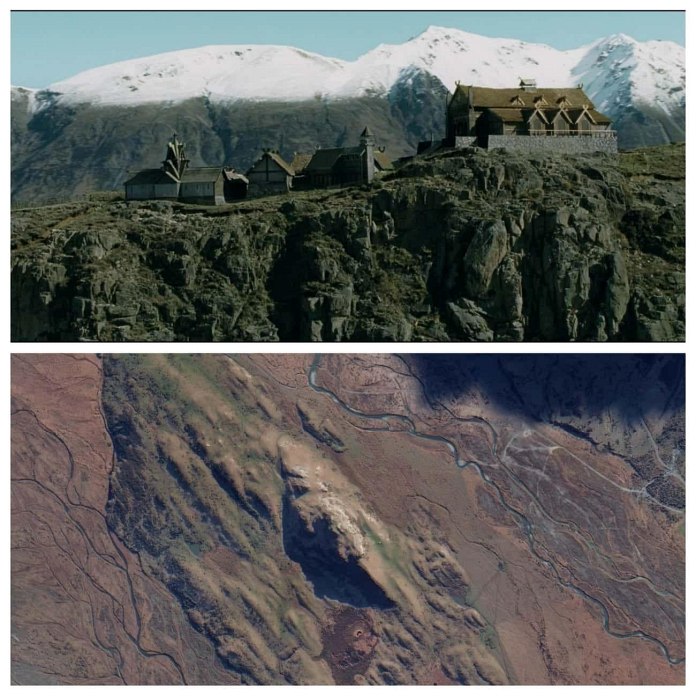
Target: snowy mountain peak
pixel 615 71
pixel 620 39
pixel 435 33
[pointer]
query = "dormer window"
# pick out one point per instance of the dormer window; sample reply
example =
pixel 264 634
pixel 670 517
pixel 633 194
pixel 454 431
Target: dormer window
pixel 563 102
pixel 517 101
pixel 539 102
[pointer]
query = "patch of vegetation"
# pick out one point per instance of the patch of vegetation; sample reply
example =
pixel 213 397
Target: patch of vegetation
pixel 488 637
pixel 661 162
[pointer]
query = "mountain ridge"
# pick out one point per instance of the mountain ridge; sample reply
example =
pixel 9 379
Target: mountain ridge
pixel 287 73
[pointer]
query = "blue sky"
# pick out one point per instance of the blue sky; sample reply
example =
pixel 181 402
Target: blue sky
pixel 49 46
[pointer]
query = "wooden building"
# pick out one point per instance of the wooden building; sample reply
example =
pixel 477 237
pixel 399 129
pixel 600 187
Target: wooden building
pixel 270 174
pixel 151 183
pixel 176 180
pixel 340 166
pixel 527 110
pixel 202 185
pixel 162 183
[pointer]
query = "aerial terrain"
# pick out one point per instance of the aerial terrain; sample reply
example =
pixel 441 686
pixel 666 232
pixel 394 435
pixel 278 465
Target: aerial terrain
pixel 91 131
pixel 347 519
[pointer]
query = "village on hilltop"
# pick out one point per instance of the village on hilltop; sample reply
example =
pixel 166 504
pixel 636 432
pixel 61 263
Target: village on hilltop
pixel 526 118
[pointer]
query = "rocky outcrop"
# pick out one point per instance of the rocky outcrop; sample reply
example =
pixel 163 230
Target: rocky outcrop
pixel 324 530
pixel 473 245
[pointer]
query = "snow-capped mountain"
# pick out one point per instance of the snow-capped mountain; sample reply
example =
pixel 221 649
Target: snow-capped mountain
pixel 616 71
pixel 620 70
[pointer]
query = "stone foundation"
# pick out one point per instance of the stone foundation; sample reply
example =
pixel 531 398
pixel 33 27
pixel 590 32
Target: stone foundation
pixel 569 144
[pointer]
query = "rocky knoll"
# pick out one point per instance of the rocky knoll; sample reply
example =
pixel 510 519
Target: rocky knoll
pixel 472 245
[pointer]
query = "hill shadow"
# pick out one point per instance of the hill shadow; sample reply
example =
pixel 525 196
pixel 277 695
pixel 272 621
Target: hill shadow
pixel 546 386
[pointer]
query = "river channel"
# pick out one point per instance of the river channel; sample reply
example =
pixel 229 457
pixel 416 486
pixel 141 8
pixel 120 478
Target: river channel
pixel 521 520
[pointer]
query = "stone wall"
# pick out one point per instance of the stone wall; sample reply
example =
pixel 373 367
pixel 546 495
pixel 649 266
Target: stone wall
pixel 565 144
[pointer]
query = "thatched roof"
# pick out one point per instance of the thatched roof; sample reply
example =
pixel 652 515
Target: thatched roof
pixel 198 175
pixel 300 161
pixel 511 115
pixel 382 160
pixel 523 115
pixel 232 175
pixel 595 115
pixel 324 160
pixel 281 163
pixel 489 97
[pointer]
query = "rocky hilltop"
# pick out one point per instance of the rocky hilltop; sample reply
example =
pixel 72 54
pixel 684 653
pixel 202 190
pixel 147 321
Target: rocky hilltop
pixel 472 245
pixel 95 129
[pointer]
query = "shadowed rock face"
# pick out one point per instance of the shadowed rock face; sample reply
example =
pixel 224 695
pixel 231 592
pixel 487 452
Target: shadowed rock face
pixel 574 385
pixel 475 246
pixel 332 576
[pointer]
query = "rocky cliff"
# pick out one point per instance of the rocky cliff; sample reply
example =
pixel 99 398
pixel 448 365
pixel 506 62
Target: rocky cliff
pixel 472 245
